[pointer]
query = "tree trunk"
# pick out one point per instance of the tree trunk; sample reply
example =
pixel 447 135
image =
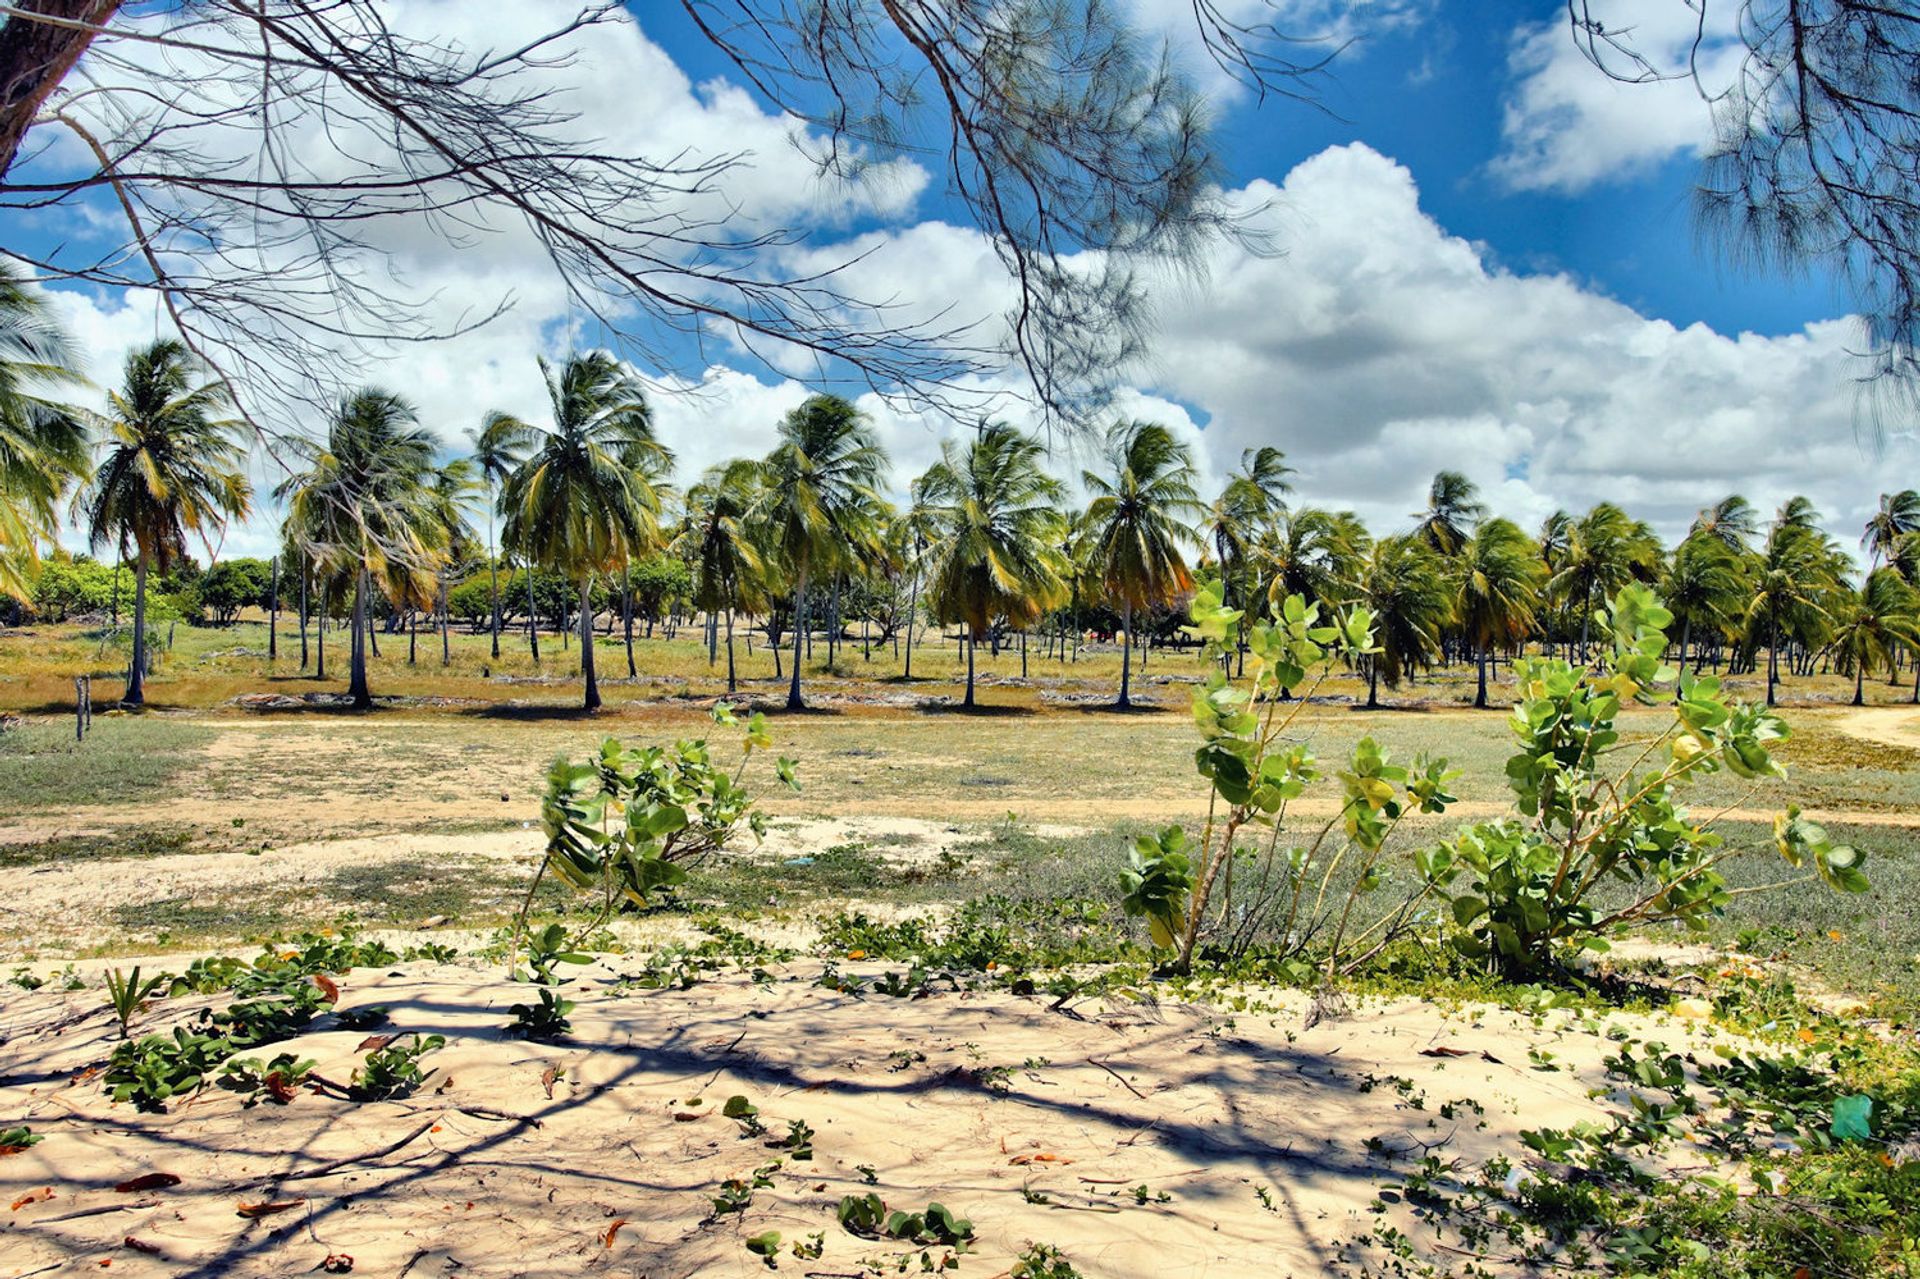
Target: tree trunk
pixel 137 674
pixel 1773 655
pixel 35 58
pixel 1373 682
pixel 973 640
pixel 320 637
pixel 1126 654
pixel 446 637
pixel 273 614
pixel 357 672
pixel 413 636
pixel 533 616
pixel 626 611
pixel 913 607
pixel 732 683
pixel 586 643
pixel 303 617
pixel 493 576
pixel 833 635
pixel 1860 681
pixel 1480 698
pixel 794 701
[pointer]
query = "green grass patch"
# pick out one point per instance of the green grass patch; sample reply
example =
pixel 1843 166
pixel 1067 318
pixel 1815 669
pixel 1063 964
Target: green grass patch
pixel 125 760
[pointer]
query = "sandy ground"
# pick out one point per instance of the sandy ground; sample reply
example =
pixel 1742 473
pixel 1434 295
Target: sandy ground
pixel 522 1159
pixel 68 906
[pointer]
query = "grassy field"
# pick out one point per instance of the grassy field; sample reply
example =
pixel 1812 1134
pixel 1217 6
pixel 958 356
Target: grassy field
pixel 1045 785
pixel 933 922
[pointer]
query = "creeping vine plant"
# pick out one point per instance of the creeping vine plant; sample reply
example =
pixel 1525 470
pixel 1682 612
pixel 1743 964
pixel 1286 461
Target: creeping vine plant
pixel 627 823
pixel 1255 770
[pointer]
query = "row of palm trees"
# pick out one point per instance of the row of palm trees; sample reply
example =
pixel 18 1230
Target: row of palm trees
pixel 987 540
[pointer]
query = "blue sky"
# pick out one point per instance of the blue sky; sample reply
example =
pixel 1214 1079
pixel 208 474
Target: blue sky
pixel 1489 265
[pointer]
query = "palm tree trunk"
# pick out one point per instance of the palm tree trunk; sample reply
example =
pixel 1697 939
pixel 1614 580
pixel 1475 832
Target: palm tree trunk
pixel 913 607
pixel 320 636
pixel 732 683
pixel 833 635
pixel 373 640
pixel 357 667
pixel 794 701
pixel 446 638
pixel 137 675
pixel 1686 633
pixel 413 637
pixel 626 612
pixel 1126 653
pixel 1773 654
pixel 533 615
pixel 586 643
pixel 972 640
pixel 1480 698
pixel 1373 682
pixel 273 614
pixel 1860 681
pixel 303 617
pixel 493 576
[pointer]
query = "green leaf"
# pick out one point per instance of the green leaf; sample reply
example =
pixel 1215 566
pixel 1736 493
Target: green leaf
pixel 1851 1116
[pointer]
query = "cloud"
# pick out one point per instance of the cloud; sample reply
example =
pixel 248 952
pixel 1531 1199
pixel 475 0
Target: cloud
pixel 1380 349
pixel 1568 125
pixel 1299 31
pixel 1376 350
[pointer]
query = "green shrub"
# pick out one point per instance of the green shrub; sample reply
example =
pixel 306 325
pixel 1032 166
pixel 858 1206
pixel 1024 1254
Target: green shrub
pixel 1525 888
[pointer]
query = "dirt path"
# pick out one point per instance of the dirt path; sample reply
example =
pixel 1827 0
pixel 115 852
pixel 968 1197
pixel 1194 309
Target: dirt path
pixel 1882 725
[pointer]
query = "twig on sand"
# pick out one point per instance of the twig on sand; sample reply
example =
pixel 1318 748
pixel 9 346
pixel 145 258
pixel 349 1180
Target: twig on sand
pixel 1116 1074
pixel 333 1164
pixel 100 1211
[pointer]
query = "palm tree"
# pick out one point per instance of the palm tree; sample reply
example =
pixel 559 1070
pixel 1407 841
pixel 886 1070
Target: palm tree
pixel 821 485
pixel 1605 549
pixel 43 444
pixel 717 539
pixel 1246 508
pixel 1731 521
pixel 1453 507
pixel 452 488
pixel 1871 624
pixel 364 509
pixel 1788 580
pixel 1143 509
pixel 172 467
pixel 1314 553
pixel 1498 596
pixel 499 446
pixel 582 501
pixel 993 554
pixel 1703 582
pixel 913 533
pixel 1899 514
pixel 1405 587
